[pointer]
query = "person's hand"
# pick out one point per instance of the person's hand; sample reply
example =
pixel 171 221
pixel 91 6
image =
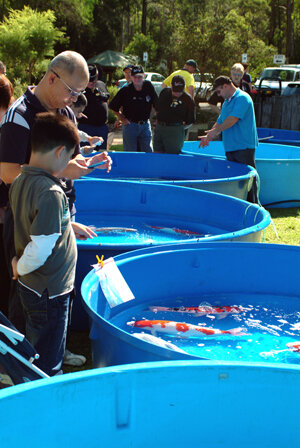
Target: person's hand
pixel 205 139
pixel 125 121
pixel 82 232
pixel 117 124
pixel 94 140
pixel 103 157
pixel 14 263
pixel 87 150
pixel 76 168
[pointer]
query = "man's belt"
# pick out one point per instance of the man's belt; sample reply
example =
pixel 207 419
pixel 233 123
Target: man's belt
pixel 164 123
pixel 139 122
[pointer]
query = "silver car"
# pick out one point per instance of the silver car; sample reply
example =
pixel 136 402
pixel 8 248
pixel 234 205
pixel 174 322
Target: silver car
pixel 204 83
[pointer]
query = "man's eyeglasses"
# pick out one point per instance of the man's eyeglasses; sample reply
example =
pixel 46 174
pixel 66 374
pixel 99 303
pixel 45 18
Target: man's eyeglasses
pixel 72 92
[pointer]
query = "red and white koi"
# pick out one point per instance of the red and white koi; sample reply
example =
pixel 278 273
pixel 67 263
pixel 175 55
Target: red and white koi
pixel 181 329
pixel 174 230
pixel 200 310
pixel 291 347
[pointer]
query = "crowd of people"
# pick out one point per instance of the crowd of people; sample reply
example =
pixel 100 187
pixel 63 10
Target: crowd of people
pixel 42 137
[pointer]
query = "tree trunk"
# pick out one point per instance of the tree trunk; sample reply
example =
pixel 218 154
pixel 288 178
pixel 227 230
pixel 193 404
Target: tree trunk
pixel 144 17
pixel 289 51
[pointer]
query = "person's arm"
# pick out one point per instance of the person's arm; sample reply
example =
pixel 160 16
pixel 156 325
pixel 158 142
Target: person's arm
pixel 9 171
pixel 215 108
pixel 82 232
pixel 121 117
pixel 191 91
pixel 116 106
pixel 35 253
pixel 45 229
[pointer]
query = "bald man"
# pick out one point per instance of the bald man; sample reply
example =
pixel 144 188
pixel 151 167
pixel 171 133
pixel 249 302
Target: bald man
pixel 66 78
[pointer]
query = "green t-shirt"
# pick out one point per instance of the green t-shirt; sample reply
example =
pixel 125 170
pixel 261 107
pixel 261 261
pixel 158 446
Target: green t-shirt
pixel 40 207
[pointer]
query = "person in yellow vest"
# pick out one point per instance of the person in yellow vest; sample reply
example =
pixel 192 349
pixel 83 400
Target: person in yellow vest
pixel 186 72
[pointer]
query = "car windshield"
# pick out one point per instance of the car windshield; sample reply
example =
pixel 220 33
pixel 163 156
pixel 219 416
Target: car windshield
pixel 274 73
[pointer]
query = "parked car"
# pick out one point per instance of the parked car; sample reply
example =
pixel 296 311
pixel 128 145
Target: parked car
pixel 155 78
pixel 293 88
pixel 204 83
pixel 274 80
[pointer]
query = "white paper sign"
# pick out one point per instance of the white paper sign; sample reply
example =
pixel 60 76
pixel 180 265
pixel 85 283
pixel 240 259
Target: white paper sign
pixel 244 58
pixel 113 284
pixel 279 59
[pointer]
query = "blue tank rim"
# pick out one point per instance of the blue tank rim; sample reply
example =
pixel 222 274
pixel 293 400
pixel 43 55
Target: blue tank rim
pixel 257 159
pixel 75 377
pixel 236 245
pixel 251 171
pixel 264 223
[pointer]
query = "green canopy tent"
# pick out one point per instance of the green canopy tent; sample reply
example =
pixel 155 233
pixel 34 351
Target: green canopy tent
pixel 109 60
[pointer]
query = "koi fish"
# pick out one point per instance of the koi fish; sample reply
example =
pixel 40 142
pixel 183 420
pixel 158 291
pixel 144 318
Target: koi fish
pixel 112 229
pixel 174 230
pixel 201 310
pixel 158 341
pixel 181 328
pixel 291 347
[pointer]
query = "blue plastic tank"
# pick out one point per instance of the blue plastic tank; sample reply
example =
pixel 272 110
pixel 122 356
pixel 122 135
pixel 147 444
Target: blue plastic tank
pixel 279 136
pixel 213 174
pixel 265 275
pixel 109 203
pixel 170 404
pixel 278 168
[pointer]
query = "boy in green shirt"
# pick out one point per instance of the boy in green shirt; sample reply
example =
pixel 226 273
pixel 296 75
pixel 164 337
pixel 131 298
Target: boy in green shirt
pixel 45 243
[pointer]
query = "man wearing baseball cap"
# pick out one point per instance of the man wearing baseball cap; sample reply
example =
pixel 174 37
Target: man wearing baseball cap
pixel 175 111
pixel 127 73
pixel 96 112
pixel 189 68
pixel 133 105
pixel 237 124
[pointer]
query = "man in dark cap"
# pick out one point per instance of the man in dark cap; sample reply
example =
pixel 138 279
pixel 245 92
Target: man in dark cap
pixel 190 67
pixel 96 112
pixel 133 105
pixel 127 73
pixel 175 111
pixel 237 124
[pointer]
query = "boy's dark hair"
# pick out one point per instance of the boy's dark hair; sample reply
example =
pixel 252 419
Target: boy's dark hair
pixel 81 101
pixel 51 130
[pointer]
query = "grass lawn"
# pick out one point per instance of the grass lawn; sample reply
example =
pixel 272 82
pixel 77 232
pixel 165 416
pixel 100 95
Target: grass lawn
pixel 287 223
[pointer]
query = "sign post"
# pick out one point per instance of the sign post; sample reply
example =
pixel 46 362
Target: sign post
pixel 145 59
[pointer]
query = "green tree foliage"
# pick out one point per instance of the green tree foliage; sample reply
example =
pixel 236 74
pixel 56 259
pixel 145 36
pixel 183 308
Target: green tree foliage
pixel 27 40
pixel 141 43
pixel 214 32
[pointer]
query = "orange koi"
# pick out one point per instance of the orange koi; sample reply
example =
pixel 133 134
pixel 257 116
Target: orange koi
pixel 181 328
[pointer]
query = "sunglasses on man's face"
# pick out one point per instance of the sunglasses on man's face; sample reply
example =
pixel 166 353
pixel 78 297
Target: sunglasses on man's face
pixel 72 91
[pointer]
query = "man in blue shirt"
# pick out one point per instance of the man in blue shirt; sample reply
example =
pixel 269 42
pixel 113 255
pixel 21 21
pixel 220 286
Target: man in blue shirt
pixel 237 124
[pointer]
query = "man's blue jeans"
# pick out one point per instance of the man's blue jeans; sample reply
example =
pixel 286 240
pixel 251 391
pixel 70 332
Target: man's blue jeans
pixel 46 327
pixel 137 137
